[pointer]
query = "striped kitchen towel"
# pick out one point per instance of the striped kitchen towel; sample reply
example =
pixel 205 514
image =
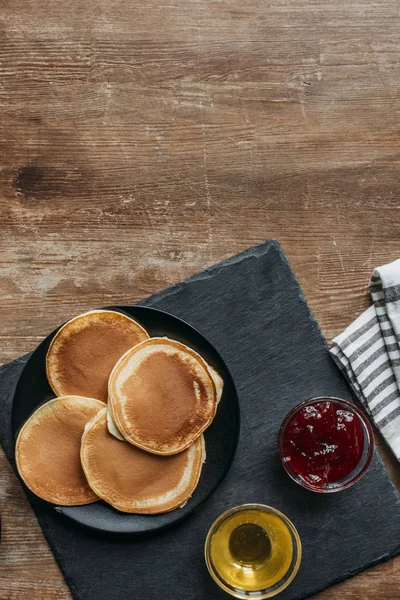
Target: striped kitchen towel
pixel 368 352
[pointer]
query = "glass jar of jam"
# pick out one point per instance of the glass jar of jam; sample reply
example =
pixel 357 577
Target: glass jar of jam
pixel 325 444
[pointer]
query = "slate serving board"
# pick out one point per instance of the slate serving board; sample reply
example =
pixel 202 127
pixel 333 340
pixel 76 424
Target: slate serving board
pixel 252 309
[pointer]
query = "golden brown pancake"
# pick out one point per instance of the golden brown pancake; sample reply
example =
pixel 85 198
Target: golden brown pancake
pixel 219 385
pixel 135 481
pixel 47 451
pixel 84 351
pixel 162 396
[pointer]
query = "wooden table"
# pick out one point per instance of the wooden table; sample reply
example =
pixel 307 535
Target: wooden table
pixel 143 141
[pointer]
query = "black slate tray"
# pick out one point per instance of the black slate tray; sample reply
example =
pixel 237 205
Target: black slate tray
pixel 252 309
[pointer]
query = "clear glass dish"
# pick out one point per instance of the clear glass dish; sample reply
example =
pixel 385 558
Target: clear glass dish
pixel 354 475
pixel 268 573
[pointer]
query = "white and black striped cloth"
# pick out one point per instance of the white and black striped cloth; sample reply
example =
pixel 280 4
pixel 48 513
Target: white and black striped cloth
pixel 368 352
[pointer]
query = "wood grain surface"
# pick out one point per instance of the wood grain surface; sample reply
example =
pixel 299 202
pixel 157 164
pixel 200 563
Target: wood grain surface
pixel 143 141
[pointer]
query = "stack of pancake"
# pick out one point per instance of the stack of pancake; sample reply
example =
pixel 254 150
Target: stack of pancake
pixel 128 420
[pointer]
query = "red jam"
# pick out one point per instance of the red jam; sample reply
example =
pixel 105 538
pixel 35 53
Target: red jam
pixel 323 442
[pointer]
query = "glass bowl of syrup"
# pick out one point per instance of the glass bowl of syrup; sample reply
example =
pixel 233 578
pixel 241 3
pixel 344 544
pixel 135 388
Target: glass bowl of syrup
pixel 253 551
pixel 325 444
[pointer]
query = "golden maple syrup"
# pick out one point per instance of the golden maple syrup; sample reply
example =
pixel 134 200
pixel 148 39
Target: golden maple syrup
pixel 252 550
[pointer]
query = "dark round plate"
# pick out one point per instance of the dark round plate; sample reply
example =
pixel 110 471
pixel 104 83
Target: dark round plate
pixel 221 437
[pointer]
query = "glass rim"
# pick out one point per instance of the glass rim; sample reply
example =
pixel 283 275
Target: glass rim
pixel 263 593
pixel 354 475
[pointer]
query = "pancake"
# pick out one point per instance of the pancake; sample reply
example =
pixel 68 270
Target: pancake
pixel 84 351
pixel 113 429
pixel 111 425
pixel 218 382
pixel 47 451
pixel 135 481
pixel 162 396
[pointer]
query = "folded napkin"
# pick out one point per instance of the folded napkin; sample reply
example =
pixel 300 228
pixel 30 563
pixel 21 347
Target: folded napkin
pixel 368 352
